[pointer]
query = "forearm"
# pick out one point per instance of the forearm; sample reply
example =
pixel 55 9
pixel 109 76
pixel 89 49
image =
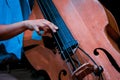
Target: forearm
pixel 11 30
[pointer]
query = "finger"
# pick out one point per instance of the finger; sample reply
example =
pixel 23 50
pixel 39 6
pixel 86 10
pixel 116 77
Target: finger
pixel 37 29
pixel 53 27
pixel 50 25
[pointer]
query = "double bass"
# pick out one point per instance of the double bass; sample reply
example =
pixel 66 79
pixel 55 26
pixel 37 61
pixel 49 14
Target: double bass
pixel 86 46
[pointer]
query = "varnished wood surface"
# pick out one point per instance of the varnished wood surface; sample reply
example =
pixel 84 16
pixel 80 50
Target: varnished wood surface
pixel 88 22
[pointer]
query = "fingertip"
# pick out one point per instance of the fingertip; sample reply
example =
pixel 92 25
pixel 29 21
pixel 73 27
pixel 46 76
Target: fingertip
pixel 56 27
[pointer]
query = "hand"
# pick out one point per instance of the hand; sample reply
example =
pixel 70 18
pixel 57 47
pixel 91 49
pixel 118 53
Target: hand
pixel 40 24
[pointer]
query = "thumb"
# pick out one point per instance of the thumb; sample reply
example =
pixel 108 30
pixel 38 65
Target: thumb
pixel 37 29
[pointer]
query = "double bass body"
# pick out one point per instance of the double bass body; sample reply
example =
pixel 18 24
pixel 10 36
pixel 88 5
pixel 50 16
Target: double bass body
pixel 91 25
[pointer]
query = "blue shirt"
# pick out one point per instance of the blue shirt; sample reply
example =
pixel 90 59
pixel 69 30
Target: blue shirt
pixel 12 11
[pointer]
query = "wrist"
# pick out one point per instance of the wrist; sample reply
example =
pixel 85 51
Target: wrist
pixel 25 24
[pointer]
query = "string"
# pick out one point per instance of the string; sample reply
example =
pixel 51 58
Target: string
pixel 56 39
pixel 62 30
pixel 65 37
pixel 58 22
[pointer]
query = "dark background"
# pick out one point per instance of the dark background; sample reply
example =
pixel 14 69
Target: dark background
pixel 113 7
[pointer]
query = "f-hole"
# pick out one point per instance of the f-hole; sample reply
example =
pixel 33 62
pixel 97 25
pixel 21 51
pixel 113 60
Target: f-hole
pixel 111 59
